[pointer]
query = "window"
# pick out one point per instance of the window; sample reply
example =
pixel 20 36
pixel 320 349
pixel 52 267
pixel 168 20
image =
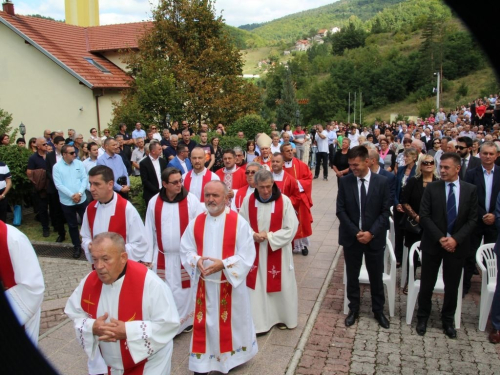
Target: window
pixel 97 65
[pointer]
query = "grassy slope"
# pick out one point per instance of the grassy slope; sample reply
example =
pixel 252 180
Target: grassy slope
pixel 251 57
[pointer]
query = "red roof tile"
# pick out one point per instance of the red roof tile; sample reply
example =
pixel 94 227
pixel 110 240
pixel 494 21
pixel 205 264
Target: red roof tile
pixel 115 37
pixel 71 44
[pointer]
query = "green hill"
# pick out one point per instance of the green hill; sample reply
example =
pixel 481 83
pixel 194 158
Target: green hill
pixel 245 39
pixel 295 26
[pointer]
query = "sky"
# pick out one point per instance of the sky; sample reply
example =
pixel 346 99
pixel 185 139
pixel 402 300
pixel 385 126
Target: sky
pixel 235 12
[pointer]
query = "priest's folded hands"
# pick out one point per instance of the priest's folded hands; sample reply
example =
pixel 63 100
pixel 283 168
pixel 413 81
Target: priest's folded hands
pixel 111 331
pixel 212 265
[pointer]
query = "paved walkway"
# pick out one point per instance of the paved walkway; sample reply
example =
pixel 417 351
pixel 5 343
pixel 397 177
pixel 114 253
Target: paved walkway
pixel 364 348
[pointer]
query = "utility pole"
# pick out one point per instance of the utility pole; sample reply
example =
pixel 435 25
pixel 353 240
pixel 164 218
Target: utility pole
pixel 354 106
pixel 438 89
pixel 349 111
pixel 360 96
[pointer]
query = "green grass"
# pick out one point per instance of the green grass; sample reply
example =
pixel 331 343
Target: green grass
pixel 251 58
pixel 33 230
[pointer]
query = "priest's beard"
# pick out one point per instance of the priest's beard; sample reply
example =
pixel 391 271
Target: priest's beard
pixel 214 208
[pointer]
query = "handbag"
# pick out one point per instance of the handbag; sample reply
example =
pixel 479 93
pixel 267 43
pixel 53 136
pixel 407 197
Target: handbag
pixel 411 225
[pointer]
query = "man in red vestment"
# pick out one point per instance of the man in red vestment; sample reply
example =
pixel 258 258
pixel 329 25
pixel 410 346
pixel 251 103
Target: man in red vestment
pixel 285 181
pixel 264 142
pixel 301 172
pixel 231 175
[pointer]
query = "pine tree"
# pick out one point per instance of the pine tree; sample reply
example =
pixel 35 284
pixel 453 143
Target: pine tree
pixel 288 106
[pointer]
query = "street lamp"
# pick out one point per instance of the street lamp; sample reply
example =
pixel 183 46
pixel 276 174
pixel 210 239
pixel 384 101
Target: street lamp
pixel 297 116
pixel 168 120
pixel 22 129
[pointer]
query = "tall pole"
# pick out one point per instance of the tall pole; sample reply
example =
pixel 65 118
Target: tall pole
pixel 349 112
pixel 360 96
pixel 437 90
pixel 354 106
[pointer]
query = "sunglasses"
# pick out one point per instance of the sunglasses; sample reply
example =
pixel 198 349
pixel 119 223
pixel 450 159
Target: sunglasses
pixel 44 144
pixel 153 128
pixel 178 182
pixel 250 172
pixel 71 153
pixel 431 162
pixel 460 147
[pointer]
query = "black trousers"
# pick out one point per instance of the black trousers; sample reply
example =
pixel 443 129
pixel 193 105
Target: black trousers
pixel 56 213
pixel 4 205
pixel 399 235
pixel 43 209
pixel 490 236
pixel 452 272
pixel 374 260
pixel 331 155
pixel 322 158
pixel 70 215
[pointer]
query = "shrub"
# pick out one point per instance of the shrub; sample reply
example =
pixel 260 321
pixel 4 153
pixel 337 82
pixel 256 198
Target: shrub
pixel 136 195
pixel 424 107
pixel 17 159
pixel 250 125
pixel 463 89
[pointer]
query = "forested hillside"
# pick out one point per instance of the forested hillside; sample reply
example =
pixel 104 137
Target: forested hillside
pixel 244 39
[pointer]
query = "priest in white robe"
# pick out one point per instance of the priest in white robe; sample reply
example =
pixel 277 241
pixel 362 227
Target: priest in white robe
pixel 272 284
pixel 196 179
pixel 241 193
pixel 110 212
pixel 167 217
pixel 124 311
pixel 21 278
pixel 223 333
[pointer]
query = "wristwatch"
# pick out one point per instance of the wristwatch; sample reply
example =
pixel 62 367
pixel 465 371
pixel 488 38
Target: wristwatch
pixel 80 194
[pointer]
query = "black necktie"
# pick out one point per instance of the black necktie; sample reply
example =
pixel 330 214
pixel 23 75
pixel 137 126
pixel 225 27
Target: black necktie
pixel 451 209
pixel 463 169
pixel 363 201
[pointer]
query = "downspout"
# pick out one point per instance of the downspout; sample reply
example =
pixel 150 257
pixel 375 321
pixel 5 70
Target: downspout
pixel 97 94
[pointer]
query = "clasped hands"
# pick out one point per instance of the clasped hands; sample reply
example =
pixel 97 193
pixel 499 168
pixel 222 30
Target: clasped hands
pixel 448 243
pixel 260 237
pixel 111 331
pixel 364 237
pixel 215 267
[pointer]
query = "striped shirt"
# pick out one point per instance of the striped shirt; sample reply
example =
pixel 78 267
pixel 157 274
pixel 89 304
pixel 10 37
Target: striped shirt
pixel 4 174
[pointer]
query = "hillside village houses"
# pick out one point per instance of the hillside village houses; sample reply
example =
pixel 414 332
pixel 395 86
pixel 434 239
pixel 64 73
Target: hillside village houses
pixel 56 75
pixel 305 44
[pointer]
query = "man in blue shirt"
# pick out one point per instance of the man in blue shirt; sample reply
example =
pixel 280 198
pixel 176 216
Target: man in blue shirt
pixel 71 181
pixel 138 132
pixel 113 160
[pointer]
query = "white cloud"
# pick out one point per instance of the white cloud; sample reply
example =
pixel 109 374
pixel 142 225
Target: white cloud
pixel 235 13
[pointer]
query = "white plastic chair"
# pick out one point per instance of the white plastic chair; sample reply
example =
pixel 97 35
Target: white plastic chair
pixel 485 254
pixel 414 287
pixel 404 266
pixel 391 232
pixel 388 277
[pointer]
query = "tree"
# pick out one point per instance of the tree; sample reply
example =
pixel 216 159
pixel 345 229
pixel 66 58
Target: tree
pixel 5 128
pixel 348 38
pixel 188 67
pixel 288 106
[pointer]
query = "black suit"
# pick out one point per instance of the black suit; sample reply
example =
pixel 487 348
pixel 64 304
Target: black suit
pixel 376 221
pixel 434 222
pixel 428 143
pixel 473 163
pixel 475 177
pixel 56 213
pixel 150 182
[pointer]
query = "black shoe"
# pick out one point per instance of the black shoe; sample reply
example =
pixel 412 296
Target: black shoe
pixel 351 318
pixel 382 320
pixel 46 233
pixel 188 329
pixel 475 272
pixel 325 178
pixel 315 177
pixel 449 330
pixel 305 251
pixel 61 237
pixel 77 251
pixel 421 326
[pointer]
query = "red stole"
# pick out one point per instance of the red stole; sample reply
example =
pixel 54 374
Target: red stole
pixel 183 221
pixel 240 195
pixel 225 302
pixel 273 257
pixel 117 222
pixel 206 179
pixel 7 276
pixel 129 306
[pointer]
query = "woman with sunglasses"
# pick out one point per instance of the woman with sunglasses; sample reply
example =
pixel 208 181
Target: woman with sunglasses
pixel 410 200
pixel 32 145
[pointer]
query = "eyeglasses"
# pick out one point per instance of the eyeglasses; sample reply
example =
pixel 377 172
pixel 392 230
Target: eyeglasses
pixel 460 147
pixel 250 172
pixel 44 144
pixel 153 128
pixel 427 163
pixel 178 182
pixel 437 143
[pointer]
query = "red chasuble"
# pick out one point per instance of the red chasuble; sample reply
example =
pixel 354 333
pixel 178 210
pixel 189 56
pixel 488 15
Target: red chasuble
pixel 239 178
pixel 206 179
pixel 240 196
pixel 200 313
pixel 273 257
pixel 183 223
pixel 117 222
pixel 288 186
pixel 7 276
pixel 129 306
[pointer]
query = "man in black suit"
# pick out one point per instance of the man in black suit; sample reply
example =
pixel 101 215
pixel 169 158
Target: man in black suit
pixel 56 213
pixel 486 178
pixel 427 139
pixel 363 210
pixel 151 168
pixel 468 162
pixel 448 214
pixel 375 167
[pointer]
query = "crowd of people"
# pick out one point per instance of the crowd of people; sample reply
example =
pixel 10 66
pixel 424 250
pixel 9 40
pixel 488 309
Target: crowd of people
pixel 222 226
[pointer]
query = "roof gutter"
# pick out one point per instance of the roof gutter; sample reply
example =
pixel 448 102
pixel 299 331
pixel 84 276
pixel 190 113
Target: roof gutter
pixel 46 53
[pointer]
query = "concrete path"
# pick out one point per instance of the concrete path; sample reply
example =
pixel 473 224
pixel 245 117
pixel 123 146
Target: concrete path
pixel 275 349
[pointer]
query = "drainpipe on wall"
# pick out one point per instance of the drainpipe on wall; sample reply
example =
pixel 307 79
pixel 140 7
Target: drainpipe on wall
pixel 97 94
